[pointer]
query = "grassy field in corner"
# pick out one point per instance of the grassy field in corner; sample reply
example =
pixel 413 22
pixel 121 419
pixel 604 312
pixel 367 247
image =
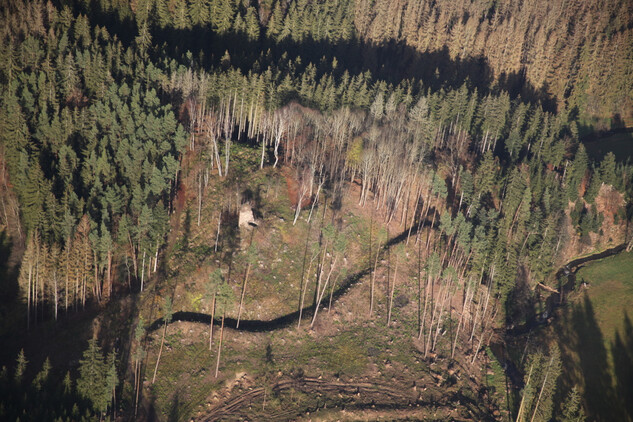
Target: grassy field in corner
pixel 595 337
pixel 610 291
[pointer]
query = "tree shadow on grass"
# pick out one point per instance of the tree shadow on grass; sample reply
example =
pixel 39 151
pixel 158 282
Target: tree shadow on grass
pixel 622 352
pixel 585 363
pixel 174 408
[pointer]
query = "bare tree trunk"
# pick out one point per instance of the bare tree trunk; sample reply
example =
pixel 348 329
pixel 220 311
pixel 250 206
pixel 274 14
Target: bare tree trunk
pixel 83 291
pixel 483 312
pixel 428 239
pixel 160 352
pixel 373 282
pixel 320 266
pixel 143 271
pixel 426 302
pixel 109 272
pixel 55 298
pixel 419 287
pixel 298 209
pixel 67 275
pixel 77 277
pixel 138 386
pixel 434 312
pixel 483 333
pixel 134 258
pixel 156 257
pixel 538 400
pixel 396 201
pixel 415 211
pixel 301 287
pixel 261 163
pixel 216 154
pixel 441 314
pixel 329 308
pixel 461 319
pixel 135 383
pixel 322 293
pixel 217 364
pixel 97 287
pixel 303 293
pixel 36 282
pixel 521 406
pixel 276 150
pixel 316 198
pixel 393 288
pixel 199 197
pixel 212 319
pixel 217 235
pixel 28 299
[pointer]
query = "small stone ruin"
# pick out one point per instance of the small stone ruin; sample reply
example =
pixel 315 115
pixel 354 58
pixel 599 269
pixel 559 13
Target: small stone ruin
pixel 247 219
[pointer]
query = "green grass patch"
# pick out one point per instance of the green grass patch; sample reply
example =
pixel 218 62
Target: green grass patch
pixel 342 354
pixel 610 291
pixel 184 380
pixel 595 336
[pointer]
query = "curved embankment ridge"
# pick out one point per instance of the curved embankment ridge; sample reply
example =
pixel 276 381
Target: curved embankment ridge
pixel 278 323
pixel 283 321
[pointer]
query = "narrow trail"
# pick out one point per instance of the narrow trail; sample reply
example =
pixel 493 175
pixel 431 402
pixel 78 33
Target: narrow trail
pixel 573 265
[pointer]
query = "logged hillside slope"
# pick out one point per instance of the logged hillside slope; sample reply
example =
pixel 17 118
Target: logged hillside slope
pixel 407 197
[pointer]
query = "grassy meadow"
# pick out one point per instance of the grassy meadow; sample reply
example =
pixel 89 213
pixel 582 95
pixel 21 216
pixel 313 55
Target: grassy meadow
pixel 595 336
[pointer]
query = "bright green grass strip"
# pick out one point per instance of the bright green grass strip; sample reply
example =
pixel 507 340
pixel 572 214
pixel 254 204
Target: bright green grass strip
pixel 610 291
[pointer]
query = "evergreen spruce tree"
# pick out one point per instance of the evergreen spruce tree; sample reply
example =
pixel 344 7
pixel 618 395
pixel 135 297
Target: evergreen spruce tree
pixel 94 381
pixel 572 407
pixel 20 367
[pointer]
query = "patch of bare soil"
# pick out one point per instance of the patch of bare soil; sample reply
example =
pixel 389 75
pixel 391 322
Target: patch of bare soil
pixel 611 232
pixel 389 413
pixel 293 188
pixel 608 202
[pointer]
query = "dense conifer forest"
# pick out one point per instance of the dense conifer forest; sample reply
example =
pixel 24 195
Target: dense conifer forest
pixel 429 161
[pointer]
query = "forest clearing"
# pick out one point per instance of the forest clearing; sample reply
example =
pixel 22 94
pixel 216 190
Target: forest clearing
pixel 315 209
